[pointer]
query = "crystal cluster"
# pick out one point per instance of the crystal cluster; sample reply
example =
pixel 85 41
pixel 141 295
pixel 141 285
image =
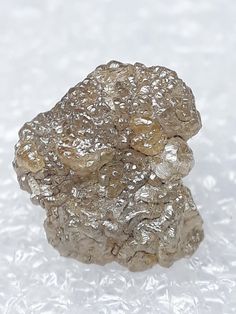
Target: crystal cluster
pixel 107 164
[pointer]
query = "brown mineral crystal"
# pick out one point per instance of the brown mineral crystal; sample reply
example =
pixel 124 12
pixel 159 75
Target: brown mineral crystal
pixel 107 163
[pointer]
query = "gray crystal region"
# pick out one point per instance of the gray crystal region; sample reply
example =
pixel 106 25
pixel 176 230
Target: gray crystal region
pixel 107 164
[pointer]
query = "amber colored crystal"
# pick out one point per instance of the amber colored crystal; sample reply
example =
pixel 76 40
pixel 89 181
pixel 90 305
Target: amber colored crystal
pixel 107 164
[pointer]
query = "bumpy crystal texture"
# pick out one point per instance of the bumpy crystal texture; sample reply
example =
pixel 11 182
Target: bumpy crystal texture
pixel 107 163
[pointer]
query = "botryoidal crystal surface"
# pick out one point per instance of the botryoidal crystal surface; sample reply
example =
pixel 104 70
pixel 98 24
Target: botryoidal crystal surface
pixel 107 164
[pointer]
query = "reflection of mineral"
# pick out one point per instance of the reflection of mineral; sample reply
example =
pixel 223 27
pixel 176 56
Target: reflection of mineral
pixel 107 162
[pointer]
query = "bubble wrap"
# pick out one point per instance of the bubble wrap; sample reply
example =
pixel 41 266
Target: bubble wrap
pixel 48 46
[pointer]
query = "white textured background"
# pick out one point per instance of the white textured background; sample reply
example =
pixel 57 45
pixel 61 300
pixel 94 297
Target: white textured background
pixel 47 46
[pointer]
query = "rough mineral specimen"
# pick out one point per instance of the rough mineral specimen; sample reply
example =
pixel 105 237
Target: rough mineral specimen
pixel 107 162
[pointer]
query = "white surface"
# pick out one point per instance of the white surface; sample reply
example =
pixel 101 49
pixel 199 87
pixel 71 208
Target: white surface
pixel 46 46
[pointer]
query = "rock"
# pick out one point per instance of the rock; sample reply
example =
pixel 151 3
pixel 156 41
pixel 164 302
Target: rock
pixel 107 163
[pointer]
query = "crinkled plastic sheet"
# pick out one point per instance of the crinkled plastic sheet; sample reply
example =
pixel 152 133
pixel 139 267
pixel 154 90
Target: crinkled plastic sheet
pixel 48 46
